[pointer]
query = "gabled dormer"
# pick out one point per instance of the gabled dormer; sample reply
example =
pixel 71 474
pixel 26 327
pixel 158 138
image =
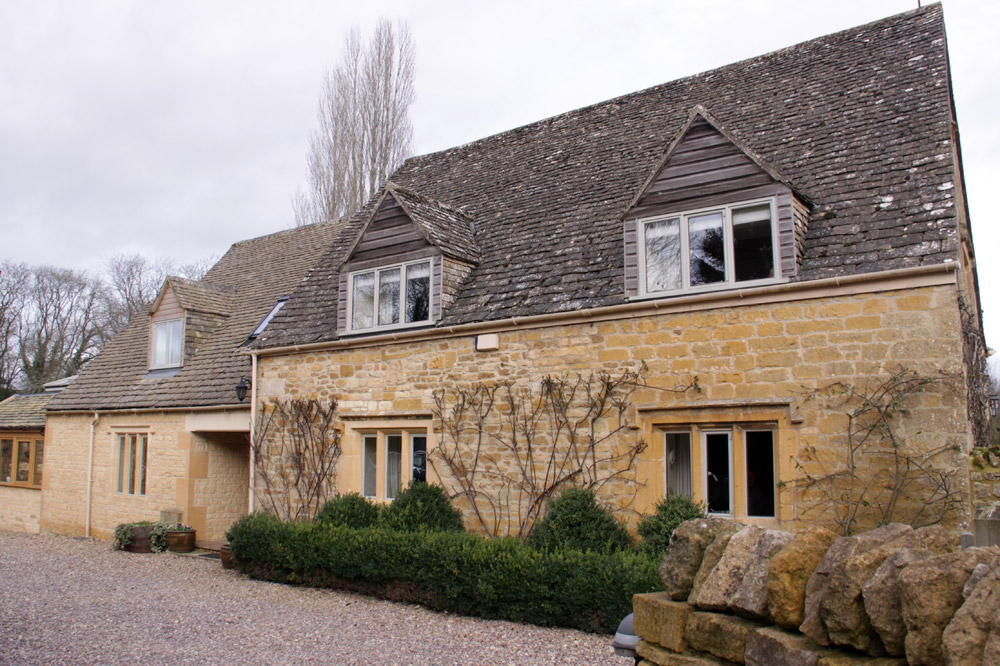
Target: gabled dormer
pixel 406 263
pixel 184 313
pixel 713 215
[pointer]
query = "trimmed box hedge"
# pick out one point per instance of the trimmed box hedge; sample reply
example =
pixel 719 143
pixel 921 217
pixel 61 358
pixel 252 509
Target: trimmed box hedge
pixel 455 572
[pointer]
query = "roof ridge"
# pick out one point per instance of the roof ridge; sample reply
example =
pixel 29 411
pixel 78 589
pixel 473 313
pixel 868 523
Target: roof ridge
pixel 393 186
pixel 290 231
pixel 414 160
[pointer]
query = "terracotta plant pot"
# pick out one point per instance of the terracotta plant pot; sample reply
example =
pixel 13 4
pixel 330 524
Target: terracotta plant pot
pixel 226 557
pixel 141 542
pixel 180 541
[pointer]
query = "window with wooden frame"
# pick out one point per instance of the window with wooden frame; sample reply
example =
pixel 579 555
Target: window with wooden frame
pixel 390 297
pixel 21 460
pixel 132 452
pixel 704 250
pixel 704 458
pixel 168 343
pixel 390 459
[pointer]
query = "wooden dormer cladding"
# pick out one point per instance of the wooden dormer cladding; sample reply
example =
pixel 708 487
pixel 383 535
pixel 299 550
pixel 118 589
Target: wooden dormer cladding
pixel 705 168
pixel 391 233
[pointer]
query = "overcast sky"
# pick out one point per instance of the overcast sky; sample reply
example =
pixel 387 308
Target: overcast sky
pixel 177 128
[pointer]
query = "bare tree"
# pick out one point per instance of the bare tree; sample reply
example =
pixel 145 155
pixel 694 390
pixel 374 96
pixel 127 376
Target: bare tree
pixel 133 282
pixel 13 286
pixel 364 128
pixel 505 450
pixel 59 324
pixel 879 475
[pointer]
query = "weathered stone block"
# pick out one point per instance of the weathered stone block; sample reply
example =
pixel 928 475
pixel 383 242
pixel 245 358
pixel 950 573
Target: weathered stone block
pixel 882 595
pixel 977 575
pixel 719 587
pixel 788 573
pixel 843 609
pixel 711 556
pixel 819 583
pixel 932 593
pixel 686 551
pixel 775 647
pixel 724 636
pixel 654 654
pixel 841 659
pixel 660 620
pixel 975 625
pixel 750 598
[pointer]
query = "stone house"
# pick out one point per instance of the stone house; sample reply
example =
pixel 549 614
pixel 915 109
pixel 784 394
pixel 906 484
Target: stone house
pixel 727 250
pixel 153 425
pixel 766 231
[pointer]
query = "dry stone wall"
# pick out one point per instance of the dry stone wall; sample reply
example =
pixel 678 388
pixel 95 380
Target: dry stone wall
pixel 891 596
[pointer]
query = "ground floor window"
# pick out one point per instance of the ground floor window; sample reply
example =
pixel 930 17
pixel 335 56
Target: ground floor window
pixel 720 463
pixel 132 455
pixel 21 461
pixel 390 459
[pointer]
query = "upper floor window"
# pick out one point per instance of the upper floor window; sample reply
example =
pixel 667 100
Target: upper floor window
pixel 392 296
pixel 706 249
pixel 167 343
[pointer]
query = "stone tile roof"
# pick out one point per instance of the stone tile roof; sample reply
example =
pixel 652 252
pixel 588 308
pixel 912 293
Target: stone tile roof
pixel 859 122
pixel 451 230
pixel 255 273
pixel 202 296
pixel 24 411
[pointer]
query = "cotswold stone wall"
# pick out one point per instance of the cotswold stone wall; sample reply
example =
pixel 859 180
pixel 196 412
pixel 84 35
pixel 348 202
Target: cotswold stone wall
pixel 984 472
pixel 894 595
pixel 757 366
pixel 220 497
pixel 205 478
pixel 20 509
pixel 64 484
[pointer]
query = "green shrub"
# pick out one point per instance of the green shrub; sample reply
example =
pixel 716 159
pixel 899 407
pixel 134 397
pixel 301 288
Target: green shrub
pixel 421 506
pixel 351 510
pixel 449 571
pixel 656 529
pixel 576 520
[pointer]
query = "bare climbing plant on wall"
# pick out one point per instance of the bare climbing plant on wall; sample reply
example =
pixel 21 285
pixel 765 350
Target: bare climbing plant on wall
pixel 295 447
pixel 508 447
pixel 879 476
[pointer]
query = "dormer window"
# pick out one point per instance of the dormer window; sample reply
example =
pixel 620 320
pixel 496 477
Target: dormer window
pixel 391 296
pixel 707 249
pixel 167 343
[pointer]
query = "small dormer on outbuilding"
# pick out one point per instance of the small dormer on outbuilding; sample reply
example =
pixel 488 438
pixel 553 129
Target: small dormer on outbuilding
pixel 712 216
pixel 184 313
pixel 406 263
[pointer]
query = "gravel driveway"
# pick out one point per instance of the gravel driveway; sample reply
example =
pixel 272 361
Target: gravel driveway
pixel 75 602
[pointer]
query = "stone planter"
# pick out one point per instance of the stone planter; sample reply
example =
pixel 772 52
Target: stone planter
pixel 180 541
pixel 140 542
